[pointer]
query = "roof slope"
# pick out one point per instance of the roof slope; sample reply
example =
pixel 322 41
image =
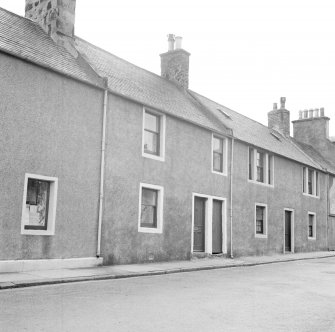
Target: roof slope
pixel 25 39
pixel 315 155
pixel 255 133
pixel 145 87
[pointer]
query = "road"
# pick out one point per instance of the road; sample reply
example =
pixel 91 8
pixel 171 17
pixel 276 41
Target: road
pixel 292 296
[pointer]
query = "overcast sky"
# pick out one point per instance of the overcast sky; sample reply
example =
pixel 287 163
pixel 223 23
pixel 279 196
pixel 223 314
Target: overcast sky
pixel 244 54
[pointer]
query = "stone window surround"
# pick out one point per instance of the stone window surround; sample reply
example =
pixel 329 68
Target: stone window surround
pixel 161 156
pixel 52 205
pixel 224 157
pixel 314 225
pixel 160 200
pixel 315 183
pixel 268 159
pixel 265 225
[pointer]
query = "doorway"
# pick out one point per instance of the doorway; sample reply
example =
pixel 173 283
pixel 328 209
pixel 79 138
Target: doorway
pixel 288 231
pixel 199 224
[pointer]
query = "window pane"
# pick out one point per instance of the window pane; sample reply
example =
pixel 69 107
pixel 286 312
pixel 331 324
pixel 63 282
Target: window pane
pixel 37 200
pixel 151 122
pixel 317 183
pixel 304 180
pixel 148 216
pixel 217 162
pixel 310 181
pixel 218 145
pixel 260 166
pixel 310 225
pixel 149 197
pixel 270 170
pixel 151 143
pixel 251 163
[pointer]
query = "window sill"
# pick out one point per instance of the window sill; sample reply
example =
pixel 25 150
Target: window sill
pixel 261 183
pixel 309 195
pixel 261 236
pixel 37 232
pixel 312 238
pixel 154 157
pixel 219 173
pixel 150 230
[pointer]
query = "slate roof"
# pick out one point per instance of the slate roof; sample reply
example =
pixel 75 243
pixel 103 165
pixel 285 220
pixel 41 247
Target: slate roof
pixel 254 133
pixel 315 155
pixel 146 88
pixel 25 39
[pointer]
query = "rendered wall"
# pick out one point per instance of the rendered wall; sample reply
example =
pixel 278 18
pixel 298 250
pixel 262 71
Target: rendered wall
pixel 49 125
pixel 286 193
pixel 186 170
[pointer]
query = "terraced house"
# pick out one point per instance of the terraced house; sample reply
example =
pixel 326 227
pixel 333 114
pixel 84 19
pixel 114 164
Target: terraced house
pixel 103 162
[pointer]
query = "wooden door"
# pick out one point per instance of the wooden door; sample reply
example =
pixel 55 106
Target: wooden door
pixel 288 219
pixel 217 227
pixel 199 224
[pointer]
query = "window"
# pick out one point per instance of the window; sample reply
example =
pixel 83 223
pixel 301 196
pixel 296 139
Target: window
pixel 153 135
pixel 219 158
pixel 39 205
pixel 311 226
pixel 261 220
pixel 151 209
pixel 260 167
pixel 332 195
pixel 310 182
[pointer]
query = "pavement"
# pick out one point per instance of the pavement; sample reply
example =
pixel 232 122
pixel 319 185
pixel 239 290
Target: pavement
pixel 49 277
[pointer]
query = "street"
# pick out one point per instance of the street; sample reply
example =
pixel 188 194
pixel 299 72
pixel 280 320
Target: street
pixel 291 296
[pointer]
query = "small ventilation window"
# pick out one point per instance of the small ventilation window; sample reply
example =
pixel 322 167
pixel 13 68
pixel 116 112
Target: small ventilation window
pixel 224 113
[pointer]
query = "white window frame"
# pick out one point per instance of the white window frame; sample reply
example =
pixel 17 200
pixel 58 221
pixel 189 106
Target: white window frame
pixel 224 156
pixel 209 222
pixel 52 205
pixel 314 225
pixel 161 156
pixel 160 200
pixel 315 183
pixel 265 226
pixel 267 156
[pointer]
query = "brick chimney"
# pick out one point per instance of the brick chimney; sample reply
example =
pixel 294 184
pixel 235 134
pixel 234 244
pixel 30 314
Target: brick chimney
pixel 175 62
pixel 56 17
pixel 279 119
pixel 312 128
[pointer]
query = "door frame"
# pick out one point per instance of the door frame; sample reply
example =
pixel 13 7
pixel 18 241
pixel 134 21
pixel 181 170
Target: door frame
pixel 209 222
pixel 292 230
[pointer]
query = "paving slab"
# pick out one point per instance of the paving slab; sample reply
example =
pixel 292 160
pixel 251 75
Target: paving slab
pixel 47 277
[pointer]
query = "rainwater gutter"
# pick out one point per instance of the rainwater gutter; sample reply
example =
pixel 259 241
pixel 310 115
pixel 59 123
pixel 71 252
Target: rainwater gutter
pixel 231 195
pixel 102 172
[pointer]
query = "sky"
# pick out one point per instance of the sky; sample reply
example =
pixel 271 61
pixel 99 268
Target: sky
pixel 244 54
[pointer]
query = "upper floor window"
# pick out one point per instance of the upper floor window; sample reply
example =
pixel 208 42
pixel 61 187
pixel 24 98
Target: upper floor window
pixel 219 155
pixel 310 182
pixel 153 135
pixel 332 195
pixel 260 166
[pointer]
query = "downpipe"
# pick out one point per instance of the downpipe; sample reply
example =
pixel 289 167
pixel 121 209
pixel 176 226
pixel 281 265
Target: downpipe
pixel 231 197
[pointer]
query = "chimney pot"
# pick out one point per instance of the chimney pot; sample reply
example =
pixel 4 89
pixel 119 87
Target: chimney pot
pixel 311 111
pixel 322 111
pixel 300 115
pixel 316 113
pixel 179 42
pixel 305 114
pixel 282 102
pixel 275 107
pixel 171 40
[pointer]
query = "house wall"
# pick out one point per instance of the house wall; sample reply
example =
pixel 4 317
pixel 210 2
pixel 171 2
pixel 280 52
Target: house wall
pixel 186 170
pixel 286 193
pixel 49 125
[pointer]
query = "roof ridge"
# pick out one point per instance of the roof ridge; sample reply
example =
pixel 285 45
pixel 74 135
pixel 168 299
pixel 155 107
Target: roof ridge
pixel 123 60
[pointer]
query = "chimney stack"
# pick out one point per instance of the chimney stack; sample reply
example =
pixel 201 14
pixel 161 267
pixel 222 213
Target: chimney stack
pixel 279 119
pixel 57 18
pixel 175 62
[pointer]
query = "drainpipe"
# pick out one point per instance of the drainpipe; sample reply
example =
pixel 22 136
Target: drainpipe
pixel 231 196
pixel 328 208
pixel 102 171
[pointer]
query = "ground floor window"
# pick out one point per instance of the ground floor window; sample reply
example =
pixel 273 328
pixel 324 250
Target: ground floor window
pixel 150 208
pixel 39 205
pixel 260 220
pixel 311 226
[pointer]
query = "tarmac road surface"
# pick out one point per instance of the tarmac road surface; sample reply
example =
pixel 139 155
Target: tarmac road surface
pixel 290 296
